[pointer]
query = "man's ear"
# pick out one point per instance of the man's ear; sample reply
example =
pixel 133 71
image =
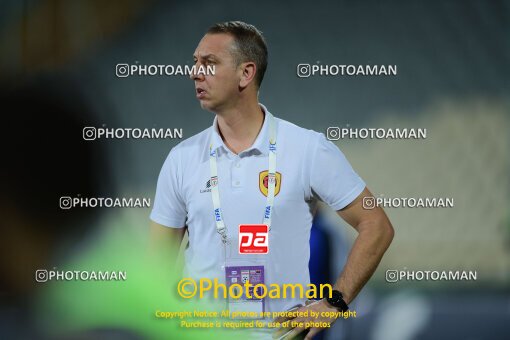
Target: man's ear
pixel 249 70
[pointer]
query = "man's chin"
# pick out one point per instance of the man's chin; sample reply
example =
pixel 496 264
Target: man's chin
pixel 206 105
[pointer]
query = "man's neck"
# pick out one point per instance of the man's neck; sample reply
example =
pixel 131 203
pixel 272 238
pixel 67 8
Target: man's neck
pixel 239 128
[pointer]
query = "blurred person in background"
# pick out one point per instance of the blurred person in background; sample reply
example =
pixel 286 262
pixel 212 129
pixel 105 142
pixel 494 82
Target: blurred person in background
pixel 44 158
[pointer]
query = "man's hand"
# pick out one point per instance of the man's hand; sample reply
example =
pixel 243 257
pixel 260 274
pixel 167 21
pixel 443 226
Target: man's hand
pixel 315 316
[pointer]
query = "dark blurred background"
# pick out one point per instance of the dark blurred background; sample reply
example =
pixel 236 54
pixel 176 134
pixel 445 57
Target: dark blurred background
pixel 57 75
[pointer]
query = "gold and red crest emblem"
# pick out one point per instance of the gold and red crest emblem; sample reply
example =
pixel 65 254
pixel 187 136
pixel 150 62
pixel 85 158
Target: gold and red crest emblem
pixel 264 182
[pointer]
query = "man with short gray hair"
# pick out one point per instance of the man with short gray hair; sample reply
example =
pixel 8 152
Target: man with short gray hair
pixel 254 176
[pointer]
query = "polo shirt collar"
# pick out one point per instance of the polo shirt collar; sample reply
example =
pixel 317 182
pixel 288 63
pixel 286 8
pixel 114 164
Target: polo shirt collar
pixel 260 144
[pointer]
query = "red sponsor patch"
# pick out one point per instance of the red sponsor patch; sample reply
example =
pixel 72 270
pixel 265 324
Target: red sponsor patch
pixel 253 239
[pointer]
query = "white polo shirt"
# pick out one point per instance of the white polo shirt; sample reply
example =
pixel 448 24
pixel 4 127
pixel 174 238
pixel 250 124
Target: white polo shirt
pixel 310 168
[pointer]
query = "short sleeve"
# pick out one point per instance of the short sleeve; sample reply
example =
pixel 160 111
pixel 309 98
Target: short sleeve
pixel 169 208
pixel 331 176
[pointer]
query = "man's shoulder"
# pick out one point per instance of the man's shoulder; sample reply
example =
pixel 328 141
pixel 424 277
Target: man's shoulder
pixel 296 132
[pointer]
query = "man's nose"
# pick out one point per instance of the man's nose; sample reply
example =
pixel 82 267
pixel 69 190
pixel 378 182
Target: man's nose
pixel 195 75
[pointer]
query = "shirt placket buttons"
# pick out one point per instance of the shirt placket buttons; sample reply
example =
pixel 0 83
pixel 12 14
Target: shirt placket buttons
pixel 236 173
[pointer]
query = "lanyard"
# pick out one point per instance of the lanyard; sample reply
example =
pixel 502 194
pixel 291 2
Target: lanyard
pixel 271 183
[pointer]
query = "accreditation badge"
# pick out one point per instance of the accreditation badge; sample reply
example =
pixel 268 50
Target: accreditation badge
pixel 245 271
pixel 245 292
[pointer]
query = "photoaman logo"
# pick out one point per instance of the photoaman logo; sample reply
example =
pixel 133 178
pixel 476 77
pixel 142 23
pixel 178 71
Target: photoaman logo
pixel 253 239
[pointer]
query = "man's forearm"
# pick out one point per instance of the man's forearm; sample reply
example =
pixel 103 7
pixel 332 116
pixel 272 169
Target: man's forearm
pixel 367 251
